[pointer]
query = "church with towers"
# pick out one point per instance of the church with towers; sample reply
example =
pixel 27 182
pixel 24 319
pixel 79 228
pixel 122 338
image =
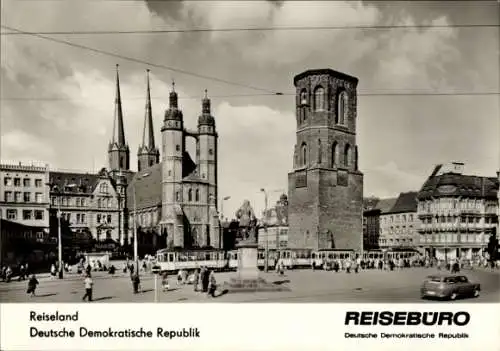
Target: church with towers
pixel 325 187
pixel 172 198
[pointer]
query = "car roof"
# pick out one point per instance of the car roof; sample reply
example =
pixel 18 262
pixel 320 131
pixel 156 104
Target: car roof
pixel 442 276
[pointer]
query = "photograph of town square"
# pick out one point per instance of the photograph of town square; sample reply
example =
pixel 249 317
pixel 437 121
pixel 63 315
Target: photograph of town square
pixel 360 170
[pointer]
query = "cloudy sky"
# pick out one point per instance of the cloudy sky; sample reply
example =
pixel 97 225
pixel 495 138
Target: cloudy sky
pixel 57 100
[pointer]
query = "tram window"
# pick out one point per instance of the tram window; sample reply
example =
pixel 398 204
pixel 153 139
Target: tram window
pixel 207 256
pixel 330 256
pixel 313 255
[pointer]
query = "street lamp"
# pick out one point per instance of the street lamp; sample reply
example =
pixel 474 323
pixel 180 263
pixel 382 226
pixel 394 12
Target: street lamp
pixel 266 261
pixel 225 198
pixel 136 256
pixel 59 232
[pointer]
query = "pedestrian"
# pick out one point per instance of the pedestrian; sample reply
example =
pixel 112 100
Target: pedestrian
pixel 22 273
pixel 356 267
pixel 8 274
pixel 164 283
pixel 196 279
pixel 88 288
pixel 32 283
pixel 205 280
pixel 282 269
pixel 212 284
pixel 53 270
pixel 179 277
pixel 136 282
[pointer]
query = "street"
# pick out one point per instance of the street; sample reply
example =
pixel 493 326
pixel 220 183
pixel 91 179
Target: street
pixel 372 286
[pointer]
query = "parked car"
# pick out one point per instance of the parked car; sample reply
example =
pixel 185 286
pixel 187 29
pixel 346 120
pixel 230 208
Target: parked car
pixel 449 286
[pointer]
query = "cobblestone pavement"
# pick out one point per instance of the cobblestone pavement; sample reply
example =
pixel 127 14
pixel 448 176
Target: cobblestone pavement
pixel 372 286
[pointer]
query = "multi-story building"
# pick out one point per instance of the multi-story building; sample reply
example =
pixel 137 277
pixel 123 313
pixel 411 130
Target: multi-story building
pixel 89 203
pixel 273 229
pixel 458 212
pixel 371 223
pixel 325 188
pixel 399 222
pixel 174 202
pixel 24 197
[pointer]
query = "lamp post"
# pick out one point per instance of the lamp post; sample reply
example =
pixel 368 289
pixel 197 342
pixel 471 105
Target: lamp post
pixel 59 231
pixel 225 198
pixel 136 248
pixel 266 261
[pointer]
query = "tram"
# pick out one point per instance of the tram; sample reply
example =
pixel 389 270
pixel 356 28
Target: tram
pixel 172 261
pixel 319 257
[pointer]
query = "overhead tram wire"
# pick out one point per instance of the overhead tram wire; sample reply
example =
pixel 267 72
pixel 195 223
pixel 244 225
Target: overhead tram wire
pixel 249 29
pixel 416 94
pixel 131 59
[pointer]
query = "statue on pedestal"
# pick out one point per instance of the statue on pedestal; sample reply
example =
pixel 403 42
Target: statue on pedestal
pixel 247 223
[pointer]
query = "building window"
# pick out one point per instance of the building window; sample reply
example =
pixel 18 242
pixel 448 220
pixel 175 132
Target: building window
pixel 17 196
pixel 38 215
pixel 319 152
pixel 177 196
pixel 8 196
pixel 103 188
pixel 83 217
pixel 303 154
pixel 303 97
pixel 26 182
pixel 99 203
pixel 109 219
pixel 7 181
pixel 11 214
pixel 98 218
pixel 108 234
pixel 190 195
pixel 17 181
pixel 39 197
pixel 210 151
pixel 38 183
pixel 335 156
pixel 342 108
pixel 27 214
pixel 347 156
pixel 319 99
pixel 177 147
pixel 77 218
pixel 83 202
pixel 98 234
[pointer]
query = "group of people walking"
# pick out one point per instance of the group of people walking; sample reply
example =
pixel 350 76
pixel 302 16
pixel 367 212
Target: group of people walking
pixel 202 279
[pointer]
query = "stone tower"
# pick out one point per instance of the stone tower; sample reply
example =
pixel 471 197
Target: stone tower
pixel 172 171
pixel 147 155
pixel 207 168
pixel 118 150
pixel 325 187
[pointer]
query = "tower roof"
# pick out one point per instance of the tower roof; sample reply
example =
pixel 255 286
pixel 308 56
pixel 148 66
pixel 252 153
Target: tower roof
pixel 206 118
pixel 118 137
pixel 173 112
pixel 327 71
pixel 148 137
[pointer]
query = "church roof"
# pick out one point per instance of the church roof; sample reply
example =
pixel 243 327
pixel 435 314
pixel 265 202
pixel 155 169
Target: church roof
pixel 194 178
pixel 327 71
pixel 148 189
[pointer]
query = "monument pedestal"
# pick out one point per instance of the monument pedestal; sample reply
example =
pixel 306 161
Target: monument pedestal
pixel 247 279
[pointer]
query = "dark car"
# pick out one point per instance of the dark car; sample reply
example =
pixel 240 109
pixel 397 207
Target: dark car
pixel 449 287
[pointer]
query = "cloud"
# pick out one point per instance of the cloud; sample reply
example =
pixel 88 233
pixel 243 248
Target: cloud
pixel 18 145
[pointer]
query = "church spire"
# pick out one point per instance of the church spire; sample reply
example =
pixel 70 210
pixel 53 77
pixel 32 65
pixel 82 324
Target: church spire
pixel 173 97
pixel 118 131
pixel 148 154
pixel 148 137
pixel 205 106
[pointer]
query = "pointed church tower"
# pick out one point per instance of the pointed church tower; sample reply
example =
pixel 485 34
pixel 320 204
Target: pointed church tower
pixel 118 151
pixel 148 155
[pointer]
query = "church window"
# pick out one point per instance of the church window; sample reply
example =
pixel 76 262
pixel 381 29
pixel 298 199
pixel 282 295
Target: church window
pixel 342 108
pixel 319 99
pixel 356 158
pixel 190 195
pixel 169 173
pixel 177 196
pixel 335 154
pixel 177 147
pixel 303 97
pixel 197 195
pixel 319 152
pixel 122 162
pixel 210 151
pixel 347 156
pixel 303 154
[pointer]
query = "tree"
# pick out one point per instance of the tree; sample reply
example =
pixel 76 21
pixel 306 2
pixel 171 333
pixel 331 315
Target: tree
pixel 493 246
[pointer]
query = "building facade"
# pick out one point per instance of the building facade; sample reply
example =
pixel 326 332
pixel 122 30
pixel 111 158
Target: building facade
pixel 325 188
pixel 173 203
pixel 371 223
pixel 90 203
pixel 273 229
pixel 24 198
pixel 458 213
pixel 399 222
